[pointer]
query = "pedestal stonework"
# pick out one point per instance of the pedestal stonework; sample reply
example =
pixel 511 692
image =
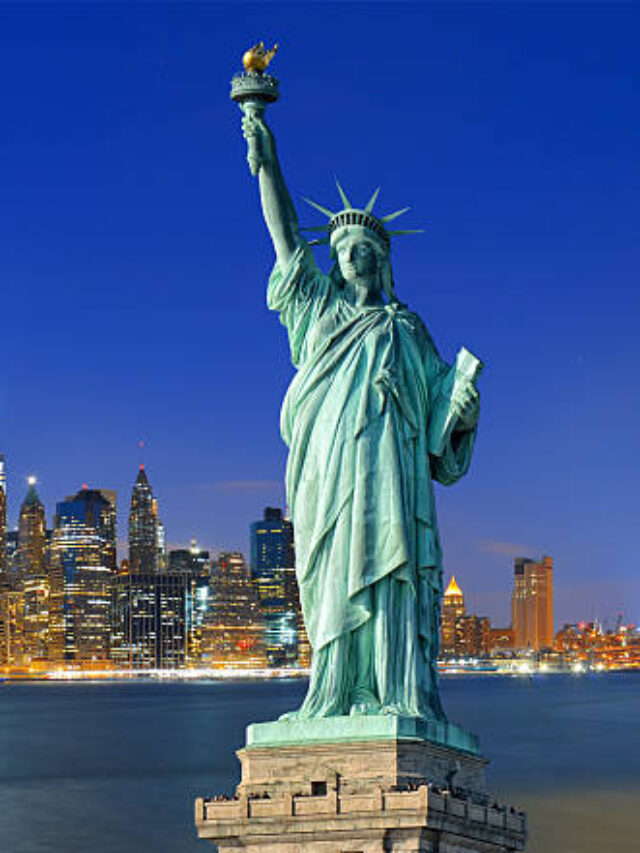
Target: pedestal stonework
pixel 381 793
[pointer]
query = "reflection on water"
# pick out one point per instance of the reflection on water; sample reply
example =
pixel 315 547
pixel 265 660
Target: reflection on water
pixel 114 768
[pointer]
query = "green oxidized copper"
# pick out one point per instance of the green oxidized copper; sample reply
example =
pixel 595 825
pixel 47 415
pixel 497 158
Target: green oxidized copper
pixel 371 418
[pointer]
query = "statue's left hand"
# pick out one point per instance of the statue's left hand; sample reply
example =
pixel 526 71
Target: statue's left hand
pixel 467 407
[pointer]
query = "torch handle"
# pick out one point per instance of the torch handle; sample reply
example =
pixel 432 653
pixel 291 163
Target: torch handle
pixel 255 109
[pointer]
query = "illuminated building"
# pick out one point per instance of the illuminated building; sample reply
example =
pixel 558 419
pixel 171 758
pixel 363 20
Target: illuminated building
pixel 452 609
pixel 192 560
pixel 12 628
pixel 589 643
pixel 232 633
pixel 32 532
pixel 462 634
pixel 472 636
pixel 109 525
pixel 146 536
pixel 161 539
pixel 11 549
pixel 154 618
pixel 3 522
pixel 274 575
pixel 31 577
pixel 82 564
pixel 532 603
pixel 501 640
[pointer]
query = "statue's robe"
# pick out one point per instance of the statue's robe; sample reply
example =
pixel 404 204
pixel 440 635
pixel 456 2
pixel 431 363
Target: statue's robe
pixel 359 487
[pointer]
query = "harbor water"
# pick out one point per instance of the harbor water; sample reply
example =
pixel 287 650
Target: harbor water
pixel 114 767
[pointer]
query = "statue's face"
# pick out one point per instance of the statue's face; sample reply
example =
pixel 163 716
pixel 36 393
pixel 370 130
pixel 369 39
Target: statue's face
pixel 357 257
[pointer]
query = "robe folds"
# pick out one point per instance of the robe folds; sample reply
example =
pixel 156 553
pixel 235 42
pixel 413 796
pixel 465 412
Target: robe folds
pixel 359 488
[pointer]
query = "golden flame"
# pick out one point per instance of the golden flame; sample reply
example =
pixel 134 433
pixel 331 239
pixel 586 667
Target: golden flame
pixel 257 58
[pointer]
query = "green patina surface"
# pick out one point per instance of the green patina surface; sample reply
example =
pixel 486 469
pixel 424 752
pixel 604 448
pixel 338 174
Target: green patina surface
pixel 373 728
pixel 372 418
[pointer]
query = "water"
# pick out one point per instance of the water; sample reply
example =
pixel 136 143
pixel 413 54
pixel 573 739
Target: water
pixel 114 767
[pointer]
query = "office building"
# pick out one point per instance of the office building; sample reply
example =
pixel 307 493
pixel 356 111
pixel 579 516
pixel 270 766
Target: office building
pixel 30 576
pixel 146 535
pixel 462 634
pixel 532 603
pixel 82 561
pixel 473 636
pixel 12 652
pixel 452 609
pixel 232 633
pixel 154 618
pixel 3 522
pixel 501 640
pixel 192 560
pixel 274 575
pixel 29 559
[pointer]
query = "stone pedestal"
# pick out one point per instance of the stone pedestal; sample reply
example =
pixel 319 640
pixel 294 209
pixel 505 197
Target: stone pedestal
pixel 371 785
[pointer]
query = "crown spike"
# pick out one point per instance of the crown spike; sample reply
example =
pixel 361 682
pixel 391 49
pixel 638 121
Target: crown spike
pixel 372 201
pixel 319 207
pixel 407 231
pixel 315 228
pixel 319 242
pixel 343 196
pixel 394 215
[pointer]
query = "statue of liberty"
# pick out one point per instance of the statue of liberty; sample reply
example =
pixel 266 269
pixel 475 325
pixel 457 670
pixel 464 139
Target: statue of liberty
pixel 372 416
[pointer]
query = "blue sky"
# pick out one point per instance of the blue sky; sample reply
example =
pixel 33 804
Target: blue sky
pixel 133 258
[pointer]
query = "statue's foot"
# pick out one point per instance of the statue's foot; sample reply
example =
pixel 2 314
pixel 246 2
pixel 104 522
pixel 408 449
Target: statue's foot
pixel 363 703
pixel 394 709
pixel 364 709
pixel 397 709
pixel 290 715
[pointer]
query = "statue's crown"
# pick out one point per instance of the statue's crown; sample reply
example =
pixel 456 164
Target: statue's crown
pixel 363 217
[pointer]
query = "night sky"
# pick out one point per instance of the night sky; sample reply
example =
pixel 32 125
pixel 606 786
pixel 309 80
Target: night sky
pixel 134 260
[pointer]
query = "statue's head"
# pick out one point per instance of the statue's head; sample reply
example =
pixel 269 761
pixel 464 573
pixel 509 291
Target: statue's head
pixel 360 243
pixel 362 258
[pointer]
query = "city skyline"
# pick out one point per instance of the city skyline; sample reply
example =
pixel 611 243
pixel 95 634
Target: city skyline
pixel 66 604
pixel 503 615
pixel 125 181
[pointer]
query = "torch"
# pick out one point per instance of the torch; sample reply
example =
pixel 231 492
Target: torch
pixel 253 90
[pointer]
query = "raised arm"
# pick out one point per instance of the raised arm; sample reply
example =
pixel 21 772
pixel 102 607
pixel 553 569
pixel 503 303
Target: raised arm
pixel 277 207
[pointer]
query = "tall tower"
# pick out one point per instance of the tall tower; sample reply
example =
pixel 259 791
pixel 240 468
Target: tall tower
pixel 161 539
pixel 532 603
pixel 82 549
pixel 109 517
pixel 31 576
pixel 274 574
pixel 3 522
pixel 32 534
pixel 452 609
pixel 143 527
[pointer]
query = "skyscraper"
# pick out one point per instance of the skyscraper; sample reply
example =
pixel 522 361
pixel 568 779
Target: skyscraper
pixel 12 628
pixel 462 634
pixel 32 533
pixel 193 560
pixel 3 522
pixel 532 603
pixel 31 577
pixel 452 609
pixel 473 634
pixel 232 632
pixel 146 537
pixel 154 619
pixel 273 572
pixel 82 562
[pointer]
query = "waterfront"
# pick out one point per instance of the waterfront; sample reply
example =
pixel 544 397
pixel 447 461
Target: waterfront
pixel 114 767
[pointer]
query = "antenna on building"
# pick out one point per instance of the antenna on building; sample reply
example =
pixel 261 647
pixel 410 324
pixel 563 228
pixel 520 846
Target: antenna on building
pixel 142 445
